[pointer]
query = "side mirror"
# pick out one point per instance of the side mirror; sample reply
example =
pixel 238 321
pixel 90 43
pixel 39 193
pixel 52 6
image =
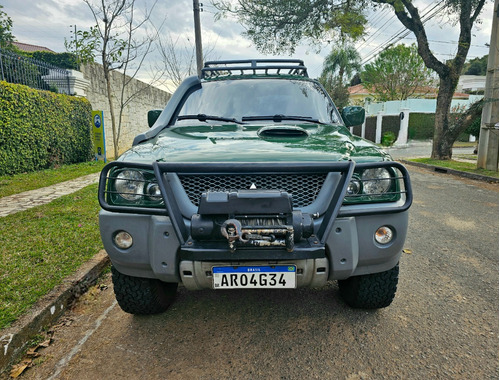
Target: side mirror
pixel 153 115
pixel 353 115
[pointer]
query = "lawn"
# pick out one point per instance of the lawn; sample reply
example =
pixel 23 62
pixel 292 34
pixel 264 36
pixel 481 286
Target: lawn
pixel 39 247
pixel 457 165
pixel 14 184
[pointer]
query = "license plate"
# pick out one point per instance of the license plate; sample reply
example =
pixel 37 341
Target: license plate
pixel 255 277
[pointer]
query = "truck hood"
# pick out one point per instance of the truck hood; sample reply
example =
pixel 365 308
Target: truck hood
pixel 254 143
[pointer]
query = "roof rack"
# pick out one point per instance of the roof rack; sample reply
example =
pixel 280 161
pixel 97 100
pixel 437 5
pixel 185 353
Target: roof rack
pixel 217 69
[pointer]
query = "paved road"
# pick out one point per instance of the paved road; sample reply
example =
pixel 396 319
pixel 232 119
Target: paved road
pixel 443 323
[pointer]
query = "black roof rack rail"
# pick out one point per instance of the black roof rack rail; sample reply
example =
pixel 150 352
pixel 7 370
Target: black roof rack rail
pixel 215 69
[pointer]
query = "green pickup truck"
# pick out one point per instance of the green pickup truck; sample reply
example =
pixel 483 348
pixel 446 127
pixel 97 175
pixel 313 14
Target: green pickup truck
pixel 250 179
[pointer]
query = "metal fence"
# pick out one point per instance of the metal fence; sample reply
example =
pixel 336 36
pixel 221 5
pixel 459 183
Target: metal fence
pixel 30 72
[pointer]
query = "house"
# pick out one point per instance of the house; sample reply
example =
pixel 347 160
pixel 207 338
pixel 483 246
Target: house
pixel 472 83
pixel 359 94
pixel 28 48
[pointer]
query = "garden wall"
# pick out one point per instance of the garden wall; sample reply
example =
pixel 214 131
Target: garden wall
pixel 144 98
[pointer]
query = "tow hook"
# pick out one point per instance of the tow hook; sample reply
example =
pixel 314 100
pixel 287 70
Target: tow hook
pixel 231 230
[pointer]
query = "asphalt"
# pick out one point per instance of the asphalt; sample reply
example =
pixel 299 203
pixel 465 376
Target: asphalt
pixel 14 340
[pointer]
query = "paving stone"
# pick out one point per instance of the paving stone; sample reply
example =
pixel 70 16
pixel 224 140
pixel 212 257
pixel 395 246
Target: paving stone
pixel 32 198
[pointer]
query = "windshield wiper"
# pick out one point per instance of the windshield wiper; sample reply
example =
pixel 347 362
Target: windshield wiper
pixel 203 117
pixel 278 118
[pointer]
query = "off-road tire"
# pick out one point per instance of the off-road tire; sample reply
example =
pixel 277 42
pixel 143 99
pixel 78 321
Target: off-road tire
pixel 370 291
pixel 142 296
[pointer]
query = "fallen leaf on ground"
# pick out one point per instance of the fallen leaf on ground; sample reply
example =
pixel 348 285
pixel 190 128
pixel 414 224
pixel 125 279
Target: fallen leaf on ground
pixel 19 369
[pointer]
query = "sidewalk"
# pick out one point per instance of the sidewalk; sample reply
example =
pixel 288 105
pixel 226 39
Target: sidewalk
pixel 421 149
pixel 28 199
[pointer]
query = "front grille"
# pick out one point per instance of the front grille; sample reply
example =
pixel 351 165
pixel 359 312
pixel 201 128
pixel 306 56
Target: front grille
pixel 304 188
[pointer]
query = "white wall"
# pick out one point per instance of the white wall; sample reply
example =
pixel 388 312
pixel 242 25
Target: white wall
pixel 414 105
pixel 135 116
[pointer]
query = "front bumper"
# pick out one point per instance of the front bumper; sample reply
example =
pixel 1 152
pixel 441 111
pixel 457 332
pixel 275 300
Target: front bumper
pixel 156 252
pixel 339 243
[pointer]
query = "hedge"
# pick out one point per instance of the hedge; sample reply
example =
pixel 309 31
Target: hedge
pixel 421 126
pixel 62 60
pixel 40 129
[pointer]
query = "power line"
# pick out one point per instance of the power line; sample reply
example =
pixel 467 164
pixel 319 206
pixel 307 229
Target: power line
pixel 402 33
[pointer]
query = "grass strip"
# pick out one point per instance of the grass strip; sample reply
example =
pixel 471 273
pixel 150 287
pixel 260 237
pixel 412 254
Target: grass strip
pixel 14 184
pixel 39 247
pixel 457 165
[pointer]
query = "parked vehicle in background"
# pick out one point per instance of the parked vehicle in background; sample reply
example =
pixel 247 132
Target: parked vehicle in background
pixel 249 178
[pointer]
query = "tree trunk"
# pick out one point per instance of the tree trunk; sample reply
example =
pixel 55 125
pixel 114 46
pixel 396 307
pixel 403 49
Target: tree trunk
pixel 445 134
pixel 111 113
pixel 443 141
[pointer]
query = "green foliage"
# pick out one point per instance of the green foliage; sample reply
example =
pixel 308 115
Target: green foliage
pixel 41 129
pixel 341 63
pixel 61 60
pixel 388 138
pixel 337 91
pixel 397 73
pixel 278 26
pixel 338 65
pixel 6 37
pixel 85 45
pixel 421 126
pixel 476 66
pixel 474 128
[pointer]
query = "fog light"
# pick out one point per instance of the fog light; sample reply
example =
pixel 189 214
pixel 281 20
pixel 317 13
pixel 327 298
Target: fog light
pixel 384 235
pixel 123 240
pixel 353 187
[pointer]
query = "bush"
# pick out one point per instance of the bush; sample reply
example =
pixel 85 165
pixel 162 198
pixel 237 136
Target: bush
pixel 388 138
pixel 40 129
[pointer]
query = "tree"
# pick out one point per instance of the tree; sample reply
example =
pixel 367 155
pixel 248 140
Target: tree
pixel 278 26
pixel 476 66
pixel 467 12
pixel 339 65
pixel 6 36
pixel 397 73
pixel 178 59
pixel 275 20
pixel 122 43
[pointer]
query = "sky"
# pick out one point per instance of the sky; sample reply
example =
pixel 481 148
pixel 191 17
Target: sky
pixel 49 22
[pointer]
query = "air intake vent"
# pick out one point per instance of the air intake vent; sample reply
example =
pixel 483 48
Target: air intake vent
pixel 285 131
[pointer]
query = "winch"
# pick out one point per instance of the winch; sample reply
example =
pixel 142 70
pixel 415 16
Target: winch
pixel 250 218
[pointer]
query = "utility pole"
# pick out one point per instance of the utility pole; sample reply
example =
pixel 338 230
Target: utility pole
pixel 76 39
pixel 487 157
pixel 197 36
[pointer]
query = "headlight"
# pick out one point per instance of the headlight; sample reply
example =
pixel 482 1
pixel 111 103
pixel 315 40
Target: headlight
pixel 376 181
pixel 130 185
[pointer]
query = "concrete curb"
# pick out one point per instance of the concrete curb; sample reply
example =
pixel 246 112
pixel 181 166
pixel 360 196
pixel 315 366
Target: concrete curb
pixel 14 339
pixel 440 169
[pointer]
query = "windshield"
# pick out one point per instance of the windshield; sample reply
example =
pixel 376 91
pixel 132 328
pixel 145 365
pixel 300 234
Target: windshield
pixel 243 98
